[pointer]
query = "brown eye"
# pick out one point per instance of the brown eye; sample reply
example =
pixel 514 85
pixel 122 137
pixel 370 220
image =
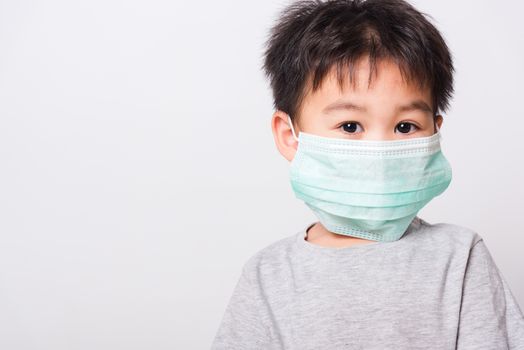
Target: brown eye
pixel 350 127
pixel 405 127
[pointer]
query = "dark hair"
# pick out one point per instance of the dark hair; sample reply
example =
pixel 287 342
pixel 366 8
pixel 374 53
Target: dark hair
pixel 310 37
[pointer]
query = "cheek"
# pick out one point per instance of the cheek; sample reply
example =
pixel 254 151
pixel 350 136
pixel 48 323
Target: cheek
pixel 426 123
pixel 429 129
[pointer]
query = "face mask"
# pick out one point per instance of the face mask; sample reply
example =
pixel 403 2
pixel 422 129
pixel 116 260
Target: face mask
pixel 366 188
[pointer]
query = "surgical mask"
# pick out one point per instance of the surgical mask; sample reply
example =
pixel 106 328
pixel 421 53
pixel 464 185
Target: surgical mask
pixel 370 189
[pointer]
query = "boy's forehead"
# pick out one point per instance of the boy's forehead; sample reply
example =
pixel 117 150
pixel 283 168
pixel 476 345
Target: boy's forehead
pixel 366 83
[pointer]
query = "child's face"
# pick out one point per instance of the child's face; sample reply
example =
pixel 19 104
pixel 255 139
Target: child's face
pixel 390 109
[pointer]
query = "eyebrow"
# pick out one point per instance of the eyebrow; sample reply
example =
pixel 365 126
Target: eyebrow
pixel 347 105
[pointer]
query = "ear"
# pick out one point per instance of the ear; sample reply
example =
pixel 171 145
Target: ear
pixel 438 120
pixel 284 140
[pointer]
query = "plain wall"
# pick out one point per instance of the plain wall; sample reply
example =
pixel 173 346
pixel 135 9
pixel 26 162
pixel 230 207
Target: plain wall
pixel 138 171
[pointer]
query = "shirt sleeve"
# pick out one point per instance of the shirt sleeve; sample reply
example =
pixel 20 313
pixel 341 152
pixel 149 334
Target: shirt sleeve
pixel 490 317
pixel 247 322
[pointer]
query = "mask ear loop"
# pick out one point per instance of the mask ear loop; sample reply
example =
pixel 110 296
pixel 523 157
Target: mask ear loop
pixel 438 131
pixel 291 126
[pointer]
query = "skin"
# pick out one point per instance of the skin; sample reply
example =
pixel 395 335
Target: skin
pixel 378 117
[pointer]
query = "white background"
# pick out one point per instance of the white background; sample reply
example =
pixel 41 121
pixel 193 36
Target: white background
pixel 138 170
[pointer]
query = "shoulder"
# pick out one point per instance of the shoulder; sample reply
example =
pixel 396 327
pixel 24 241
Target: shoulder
pixel 271 258
pixel 447 235
pixel 439 248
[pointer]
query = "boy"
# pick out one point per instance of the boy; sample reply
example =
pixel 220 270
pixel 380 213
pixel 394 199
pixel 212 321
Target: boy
pixel 363 84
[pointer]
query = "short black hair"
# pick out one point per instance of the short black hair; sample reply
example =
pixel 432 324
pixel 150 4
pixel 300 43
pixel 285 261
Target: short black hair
pixel 312 36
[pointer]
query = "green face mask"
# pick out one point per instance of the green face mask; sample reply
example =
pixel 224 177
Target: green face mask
pixel 368 189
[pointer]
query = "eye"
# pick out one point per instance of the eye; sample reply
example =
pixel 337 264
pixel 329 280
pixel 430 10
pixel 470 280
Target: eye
pixel 351 127
pixel 406 127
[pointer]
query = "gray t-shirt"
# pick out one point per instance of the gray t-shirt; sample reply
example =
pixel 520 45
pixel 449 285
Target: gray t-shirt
pixel 435 288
